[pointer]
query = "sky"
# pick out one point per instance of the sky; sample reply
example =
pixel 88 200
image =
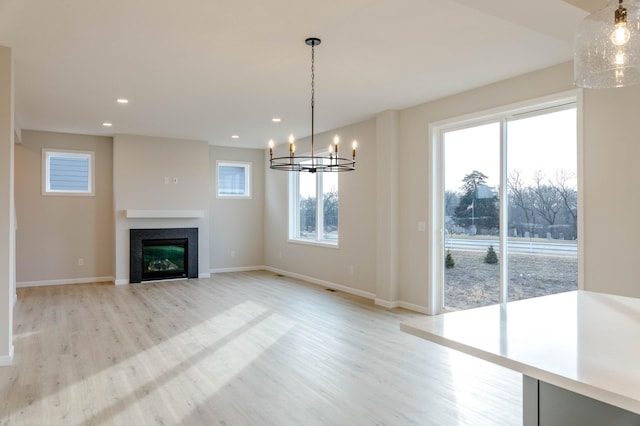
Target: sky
pixel 544 142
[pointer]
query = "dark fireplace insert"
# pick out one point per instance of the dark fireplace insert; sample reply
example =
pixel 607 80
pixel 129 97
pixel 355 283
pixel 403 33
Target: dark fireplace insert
pixel 158 254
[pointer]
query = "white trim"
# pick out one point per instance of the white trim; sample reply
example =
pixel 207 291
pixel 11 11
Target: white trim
pixel 317 243
pixel 89 280
pixel 581 217
pixel 361 293
pixel 247 166
pixel 386 303
pixel 403 305
pixel 121 282
pixel 6 360
pixel 51 152
pixel 163 214
pixel 414 307
pixel 237 269
pixel 204 275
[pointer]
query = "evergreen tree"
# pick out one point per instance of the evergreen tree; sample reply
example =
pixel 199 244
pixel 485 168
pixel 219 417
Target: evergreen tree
pixel 448 261
pixel 491 256
pixel 477 205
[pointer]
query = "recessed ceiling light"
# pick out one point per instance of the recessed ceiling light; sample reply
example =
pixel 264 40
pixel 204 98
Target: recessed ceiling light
pixel 276 120
pixel 122 101
pixel 107 124
pixel 235 136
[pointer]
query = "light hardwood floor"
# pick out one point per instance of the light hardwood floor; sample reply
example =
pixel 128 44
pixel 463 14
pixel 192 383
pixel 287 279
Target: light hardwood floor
pixel 236 349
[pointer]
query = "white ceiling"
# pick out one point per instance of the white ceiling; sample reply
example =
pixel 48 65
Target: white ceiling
pixel 207 69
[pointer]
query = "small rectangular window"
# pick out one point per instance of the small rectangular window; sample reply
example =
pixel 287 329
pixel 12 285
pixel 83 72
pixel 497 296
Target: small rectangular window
pixel 234 179
pixel 67 172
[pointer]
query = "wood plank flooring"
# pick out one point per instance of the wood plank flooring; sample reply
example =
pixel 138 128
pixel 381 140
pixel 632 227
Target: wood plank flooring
pixel 246 348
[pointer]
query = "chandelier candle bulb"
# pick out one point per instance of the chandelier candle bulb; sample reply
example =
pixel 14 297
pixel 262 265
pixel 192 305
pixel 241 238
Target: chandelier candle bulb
pixel 271 145
pixel 291 146
pixel 354 145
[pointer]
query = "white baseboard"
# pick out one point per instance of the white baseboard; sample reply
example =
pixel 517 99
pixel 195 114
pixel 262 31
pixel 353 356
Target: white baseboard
pixel 414 307
pixel 204 275
pixel 323 283
pixel 6 360
pixel 403 305
pixel 64 282
pixel 387 304
pixel 239 269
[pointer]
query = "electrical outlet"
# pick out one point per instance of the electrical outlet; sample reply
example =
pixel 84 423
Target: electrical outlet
pixel 166 180
pixel 80 261
pixel 175 180
pixel 233 253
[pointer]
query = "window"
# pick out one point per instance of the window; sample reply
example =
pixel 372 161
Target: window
pixel 312 218
pixel 507 195
pixel 67 172
pixel 234 179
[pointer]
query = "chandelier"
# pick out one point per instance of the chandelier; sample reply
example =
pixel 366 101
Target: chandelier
pixel 313 163
pixel 607 47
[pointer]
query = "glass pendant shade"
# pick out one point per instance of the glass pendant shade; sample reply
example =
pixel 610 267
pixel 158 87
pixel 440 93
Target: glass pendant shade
pixel 607 47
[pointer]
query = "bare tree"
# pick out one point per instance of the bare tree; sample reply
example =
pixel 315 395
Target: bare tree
pixel 521 197
pixel 547 201
pixel 450 202
pixel 568 193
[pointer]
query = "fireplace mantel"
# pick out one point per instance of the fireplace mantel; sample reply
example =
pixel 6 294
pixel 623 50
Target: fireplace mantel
pixel 164 214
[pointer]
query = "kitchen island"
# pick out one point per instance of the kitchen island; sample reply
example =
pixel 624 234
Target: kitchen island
pixel 578 352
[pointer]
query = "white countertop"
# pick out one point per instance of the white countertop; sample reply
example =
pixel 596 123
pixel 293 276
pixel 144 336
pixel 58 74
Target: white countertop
pixel 588 343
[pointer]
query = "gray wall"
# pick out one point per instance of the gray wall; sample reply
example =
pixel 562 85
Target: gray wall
pixel 357 219
pixel 140 166
pixel 237 225
pixel 608 162
pixel 415 150
pixel 55 231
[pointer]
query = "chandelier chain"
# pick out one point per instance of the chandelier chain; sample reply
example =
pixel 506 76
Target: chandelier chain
pixel 313 97
pixel 313 76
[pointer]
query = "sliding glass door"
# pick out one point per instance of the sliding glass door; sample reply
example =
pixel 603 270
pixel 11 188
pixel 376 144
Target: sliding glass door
pixel 508 201
pixel 471 219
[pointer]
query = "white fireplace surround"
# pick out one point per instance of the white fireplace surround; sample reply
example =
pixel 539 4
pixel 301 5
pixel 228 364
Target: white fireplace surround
pixel 163 214
pixel 159 219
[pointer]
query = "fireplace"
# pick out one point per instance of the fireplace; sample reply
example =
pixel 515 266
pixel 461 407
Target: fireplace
pixel 167 253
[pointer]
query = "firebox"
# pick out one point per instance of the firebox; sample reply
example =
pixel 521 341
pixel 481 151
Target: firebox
pixel 157 254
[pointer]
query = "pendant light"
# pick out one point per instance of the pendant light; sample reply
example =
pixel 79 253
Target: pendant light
pixel 607 47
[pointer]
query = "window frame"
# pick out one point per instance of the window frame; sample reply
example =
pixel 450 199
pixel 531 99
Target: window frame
pixel 294 213
pixel 48 153
pixel 247 166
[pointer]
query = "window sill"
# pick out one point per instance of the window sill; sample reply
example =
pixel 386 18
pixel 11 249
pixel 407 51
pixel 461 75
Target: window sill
pixel 325 244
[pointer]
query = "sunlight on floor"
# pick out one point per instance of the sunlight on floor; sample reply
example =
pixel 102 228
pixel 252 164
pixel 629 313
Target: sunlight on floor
pixel 232 341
